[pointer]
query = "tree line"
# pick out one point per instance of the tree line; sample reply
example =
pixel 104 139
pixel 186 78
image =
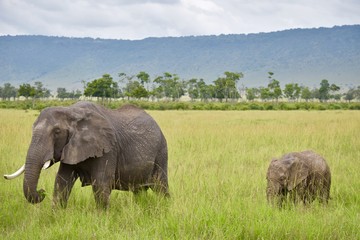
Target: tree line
pixel 171 86
pixel 224 88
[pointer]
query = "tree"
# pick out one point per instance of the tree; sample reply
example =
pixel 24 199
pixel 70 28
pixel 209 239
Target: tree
pixel 41 91
pixel 325 90
pixel 77 94
pixel 205 91
pixel 143 77
pixel 292 91
pixel 274 87
pixel 103 87
pixel 124 79
pixel 8 91
pixel 297 91
pixel 306 93
pixel 124 82
pixel 252 93
pixel 157 91
pixel 170 86
pixel 336 97
pixel 264 93
pixel 136 90
pixel 315 93
pixel 210 91
pixel 26 90
pixel 199 89
pixel 62 93
pixel 193 88
pixel 220 89
pixel 352 94
pixel 333 89
pixel 270 75
pixel 225 87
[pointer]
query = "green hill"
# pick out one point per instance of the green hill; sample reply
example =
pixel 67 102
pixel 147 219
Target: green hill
pixel 304 56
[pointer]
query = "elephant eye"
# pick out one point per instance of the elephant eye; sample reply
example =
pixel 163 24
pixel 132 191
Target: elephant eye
pixel 57 130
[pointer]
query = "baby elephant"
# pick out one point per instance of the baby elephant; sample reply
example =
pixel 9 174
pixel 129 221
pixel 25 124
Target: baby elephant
pixel 304 175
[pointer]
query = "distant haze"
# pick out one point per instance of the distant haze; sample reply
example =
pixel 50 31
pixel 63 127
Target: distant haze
pixel 304 56
pixel 139 19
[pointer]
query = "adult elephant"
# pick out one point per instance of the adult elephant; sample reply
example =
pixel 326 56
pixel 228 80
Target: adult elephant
pixel 303 175
pixel 120 149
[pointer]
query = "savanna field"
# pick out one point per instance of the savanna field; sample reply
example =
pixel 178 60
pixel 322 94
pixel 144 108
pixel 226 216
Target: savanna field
pixel 217 176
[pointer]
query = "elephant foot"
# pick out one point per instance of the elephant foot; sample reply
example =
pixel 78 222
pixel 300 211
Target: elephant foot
pixel 102 196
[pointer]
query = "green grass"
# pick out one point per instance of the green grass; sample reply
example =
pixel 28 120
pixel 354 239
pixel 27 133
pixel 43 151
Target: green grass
pixel 217 167
pixel 178 105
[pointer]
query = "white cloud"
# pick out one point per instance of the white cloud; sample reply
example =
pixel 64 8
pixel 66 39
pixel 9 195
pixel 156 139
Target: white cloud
pixel 137 19
pixel 206 6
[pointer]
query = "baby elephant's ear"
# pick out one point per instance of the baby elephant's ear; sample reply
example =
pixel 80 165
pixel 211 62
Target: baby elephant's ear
pixel 298 172
pixel 91 136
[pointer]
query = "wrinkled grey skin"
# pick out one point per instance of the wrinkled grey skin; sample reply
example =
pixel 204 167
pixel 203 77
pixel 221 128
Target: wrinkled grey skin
pixel 303 175
pixel 120 149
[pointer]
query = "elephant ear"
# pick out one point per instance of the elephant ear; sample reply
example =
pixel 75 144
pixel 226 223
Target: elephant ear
pixel 91 135
pixel 298 172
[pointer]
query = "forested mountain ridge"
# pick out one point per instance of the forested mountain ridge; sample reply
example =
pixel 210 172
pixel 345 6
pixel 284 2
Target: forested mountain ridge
pixel 304 56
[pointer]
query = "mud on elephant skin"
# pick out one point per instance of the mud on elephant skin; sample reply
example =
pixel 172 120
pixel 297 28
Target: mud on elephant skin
pixel 120 149
pixel 304 176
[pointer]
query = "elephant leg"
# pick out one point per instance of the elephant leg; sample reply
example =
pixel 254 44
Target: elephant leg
pixel 160 174
pixel 301 193
pixel 103 179
pixel 64 182
pixel 102 195
pixel 140 190
pixel 324 194
pixel 296 195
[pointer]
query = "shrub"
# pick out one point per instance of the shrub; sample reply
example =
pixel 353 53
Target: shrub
pixel 255 106
pixel 334 106
pixel 170 105
pixel 303 106
pixel 269 106
pixel 320 107
pixel 353 106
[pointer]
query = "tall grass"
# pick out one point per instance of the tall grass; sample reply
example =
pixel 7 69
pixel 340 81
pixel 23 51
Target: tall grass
pixel 217 168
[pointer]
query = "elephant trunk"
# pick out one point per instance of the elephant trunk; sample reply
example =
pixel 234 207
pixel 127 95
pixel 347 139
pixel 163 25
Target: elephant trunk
pixel 274 194
pixel 270 194
pixel 32 173
pixel 37 155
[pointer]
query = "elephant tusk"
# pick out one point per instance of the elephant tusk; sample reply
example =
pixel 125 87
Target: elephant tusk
pixel 15 174
pixel 22 169
pixel 47 164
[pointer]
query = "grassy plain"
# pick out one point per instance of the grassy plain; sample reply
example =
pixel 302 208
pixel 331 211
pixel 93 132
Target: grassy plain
pixel 217 167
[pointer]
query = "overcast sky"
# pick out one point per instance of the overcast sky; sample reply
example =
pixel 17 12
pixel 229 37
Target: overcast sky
pixel 138 19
